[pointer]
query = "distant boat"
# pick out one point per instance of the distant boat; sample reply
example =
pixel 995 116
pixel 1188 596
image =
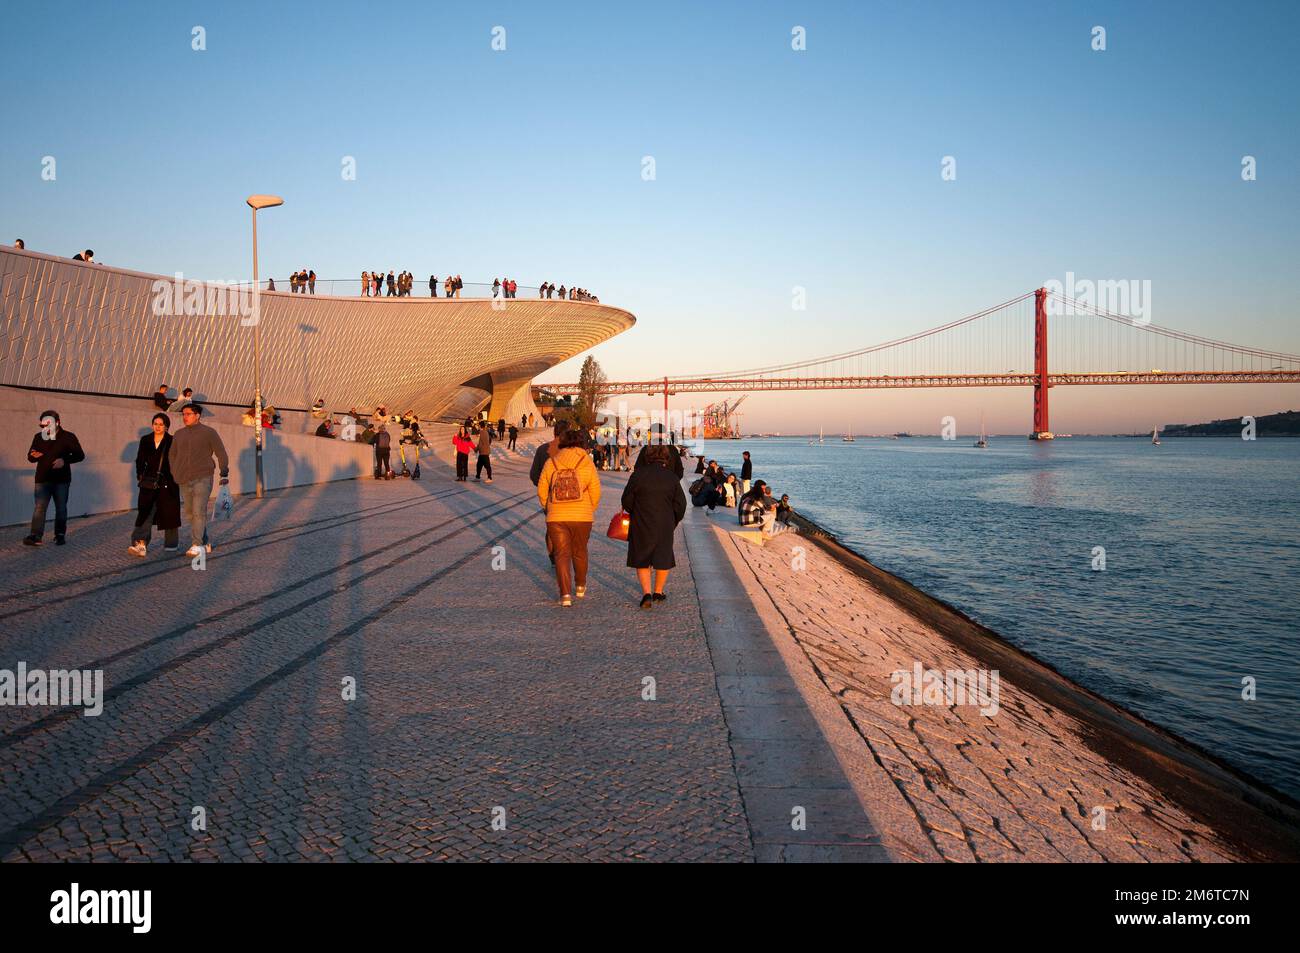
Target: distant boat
pixel 849 437
pixel 982 442
pixel 1155 437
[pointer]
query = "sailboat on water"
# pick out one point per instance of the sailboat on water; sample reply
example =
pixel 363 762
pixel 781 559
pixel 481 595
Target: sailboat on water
pixel 848 438
pixel 1155 436
pixel 982 442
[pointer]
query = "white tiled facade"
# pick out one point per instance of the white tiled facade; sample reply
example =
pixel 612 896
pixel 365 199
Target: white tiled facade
pixel 73 326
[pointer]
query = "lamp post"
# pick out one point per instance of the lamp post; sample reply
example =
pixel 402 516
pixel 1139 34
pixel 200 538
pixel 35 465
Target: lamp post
pixel 255 202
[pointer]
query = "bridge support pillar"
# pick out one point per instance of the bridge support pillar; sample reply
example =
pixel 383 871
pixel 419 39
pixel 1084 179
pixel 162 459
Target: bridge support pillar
pixel 1042 427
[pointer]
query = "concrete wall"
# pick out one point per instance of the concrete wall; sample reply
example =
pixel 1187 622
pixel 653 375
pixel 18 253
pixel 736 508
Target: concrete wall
pixel 110 431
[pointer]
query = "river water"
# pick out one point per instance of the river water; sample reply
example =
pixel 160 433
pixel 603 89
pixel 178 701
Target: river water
pixel 1201 585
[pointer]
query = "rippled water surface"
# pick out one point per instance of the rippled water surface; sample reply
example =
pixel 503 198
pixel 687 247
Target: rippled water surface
pixel 1202 545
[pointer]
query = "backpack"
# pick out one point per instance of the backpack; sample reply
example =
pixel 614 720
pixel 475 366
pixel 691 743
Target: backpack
pixel 565 487
pixel 383 440
pixel 697 486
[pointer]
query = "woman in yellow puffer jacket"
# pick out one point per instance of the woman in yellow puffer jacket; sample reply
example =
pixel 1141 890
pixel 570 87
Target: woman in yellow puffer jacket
pixel 569 491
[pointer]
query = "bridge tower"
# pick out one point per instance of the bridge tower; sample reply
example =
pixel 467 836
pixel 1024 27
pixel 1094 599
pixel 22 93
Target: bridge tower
pixel 1042 428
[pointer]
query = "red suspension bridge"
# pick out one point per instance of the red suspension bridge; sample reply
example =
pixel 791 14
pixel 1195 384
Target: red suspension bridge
pixel 1089 342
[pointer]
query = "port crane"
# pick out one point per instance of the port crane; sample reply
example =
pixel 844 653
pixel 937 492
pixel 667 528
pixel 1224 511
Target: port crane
pixel 721 421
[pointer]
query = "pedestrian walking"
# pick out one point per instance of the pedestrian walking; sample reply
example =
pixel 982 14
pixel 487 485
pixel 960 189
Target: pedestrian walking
pixel 484 453
pixel 514 435
pixel 464 446
pixel 654 499
pixel 383 451
pixel 54 451
pixel 158 502
pixel 569 491
pixel 191 454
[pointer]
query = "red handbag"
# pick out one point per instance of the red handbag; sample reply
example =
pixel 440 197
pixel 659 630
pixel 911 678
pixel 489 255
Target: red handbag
pixel 618 526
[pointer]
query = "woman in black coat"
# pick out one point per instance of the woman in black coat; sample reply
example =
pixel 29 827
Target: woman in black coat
pixel 674 460
pixel 159 502
pixel 654 499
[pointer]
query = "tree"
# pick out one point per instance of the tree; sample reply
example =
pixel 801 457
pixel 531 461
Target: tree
pixel 591 390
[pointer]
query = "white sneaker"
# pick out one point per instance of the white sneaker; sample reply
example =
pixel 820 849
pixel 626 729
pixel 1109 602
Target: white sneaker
pixel 566 601
pixel 193 550
pixel 137 549
pixel 582 592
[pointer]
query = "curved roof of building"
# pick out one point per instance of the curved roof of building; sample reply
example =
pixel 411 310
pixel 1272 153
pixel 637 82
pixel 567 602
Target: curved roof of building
pixel 76 326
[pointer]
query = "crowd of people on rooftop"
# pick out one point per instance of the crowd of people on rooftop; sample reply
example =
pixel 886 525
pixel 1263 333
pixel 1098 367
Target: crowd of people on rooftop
pixel 400 284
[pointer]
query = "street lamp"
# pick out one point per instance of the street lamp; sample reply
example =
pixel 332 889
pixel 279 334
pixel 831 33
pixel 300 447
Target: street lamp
pixel 255 202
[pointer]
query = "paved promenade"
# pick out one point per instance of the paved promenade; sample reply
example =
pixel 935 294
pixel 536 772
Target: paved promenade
pixel 488 723
pixel 946 782
pixel 748 718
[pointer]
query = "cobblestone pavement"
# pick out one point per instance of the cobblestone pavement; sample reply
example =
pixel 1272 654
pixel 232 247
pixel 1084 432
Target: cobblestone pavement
pixel 947 782
pixel 478 699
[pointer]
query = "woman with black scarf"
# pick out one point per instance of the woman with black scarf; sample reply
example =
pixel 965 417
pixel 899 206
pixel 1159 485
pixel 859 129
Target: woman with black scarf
pixel 159 502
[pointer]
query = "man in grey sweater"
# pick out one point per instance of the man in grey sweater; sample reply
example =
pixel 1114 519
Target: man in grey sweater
pixel 193 447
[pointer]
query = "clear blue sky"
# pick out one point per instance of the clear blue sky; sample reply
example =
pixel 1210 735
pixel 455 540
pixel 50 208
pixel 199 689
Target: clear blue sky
pixel 774 168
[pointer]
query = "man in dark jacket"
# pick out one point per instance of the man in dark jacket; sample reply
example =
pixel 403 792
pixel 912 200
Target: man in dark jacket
pixel 746 473
pixel 160 399
pixel 544 451
pixel 53 450
pixel 485 453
